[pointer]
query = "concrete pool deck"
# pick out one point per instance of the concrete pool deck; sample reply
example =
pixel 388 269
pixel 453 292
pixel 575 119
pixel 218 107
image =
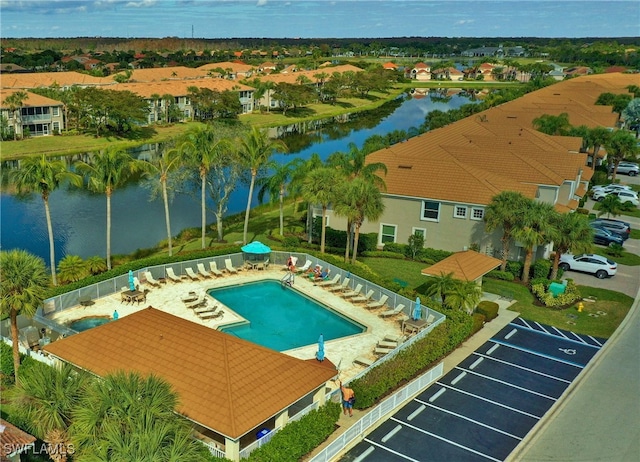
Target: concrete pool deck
pixel 168 298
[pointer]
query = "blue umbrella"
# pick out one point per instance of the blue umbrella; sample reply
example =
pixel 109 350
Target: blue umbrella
pixel 320 354
pixel 132 285
pixel 256 247
pixel 417 310
pixel 115 314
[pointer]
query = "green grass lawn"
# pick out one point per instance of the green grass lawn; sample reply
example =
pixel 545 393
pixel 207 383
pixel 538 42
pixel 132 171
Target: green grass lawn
pixel 599 318
pixel 403 270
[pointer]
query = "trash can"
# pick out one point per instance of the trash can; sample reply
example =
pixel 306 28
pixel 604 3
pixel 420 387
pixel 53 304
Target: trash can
pixel 556 289
pixel 262 433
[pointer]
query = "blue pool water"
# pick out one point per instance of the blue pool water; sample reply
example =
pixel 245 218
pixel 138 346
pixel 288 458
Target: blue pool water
pixel 87 323
pixel 281 318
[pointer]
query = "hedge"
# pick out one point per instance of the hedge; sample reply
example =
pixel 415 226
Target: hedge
pixel 501 275
pixel 570 295
pixel 488 309
pixel 408 363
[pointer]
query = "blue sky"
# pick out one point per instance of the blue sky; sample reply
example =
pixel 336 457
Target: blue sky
pixel 319 18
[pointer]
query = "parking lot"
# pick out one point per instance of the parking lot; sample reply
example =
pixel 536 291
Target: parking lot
pixel 485 406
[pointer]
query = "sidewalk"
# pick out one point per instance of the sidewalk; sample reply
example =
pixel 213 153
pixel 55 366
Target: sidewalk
pixel 452 360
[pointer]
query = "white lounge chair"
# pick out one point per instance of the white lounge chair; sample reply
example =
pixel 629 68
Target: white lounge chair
pixel 149 278
pixel 364 298
pixel 397 310
pixel 205 309
pixel 340 287
pixel 305 268
pixel 213 266
pixel 203 272
pixel 379 304
pixel 387 344
pixel 353 293
pixel 192 275
pixel 332 282
pixel 190 297
pixel 382 351
pixel 201 301
pixel 229 267
pixel 430 319
pixel 363 361
pixel 212 315
pixel 172 275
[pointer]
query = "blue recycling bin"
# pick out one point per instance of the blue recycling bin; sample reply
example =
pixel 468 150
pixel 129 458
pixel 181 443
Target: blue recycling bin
pixel 262 433
pixel 556 288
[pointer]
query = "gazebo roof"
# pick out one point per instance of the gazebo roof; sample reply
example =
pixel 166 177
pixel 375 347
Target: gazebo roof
pixel 467 265
pixel 224 383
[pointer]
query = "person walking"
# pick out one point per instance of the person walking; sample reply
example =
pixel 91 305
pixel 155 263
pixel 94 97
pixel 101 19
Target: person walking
pixel 348 398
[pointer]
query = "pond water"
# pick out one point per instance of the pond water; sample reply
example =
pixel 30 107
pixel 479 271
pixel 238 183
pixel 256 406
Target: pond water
pixel 79 217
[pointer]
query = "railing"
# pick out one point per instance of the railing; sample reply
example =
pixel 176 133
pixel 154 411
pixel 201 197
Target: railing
pixel 360 427
pixel 214 450
pixel 244 453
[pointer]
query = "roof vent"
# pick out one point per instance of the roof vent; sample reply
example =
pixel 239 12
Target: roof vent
pixel 406 167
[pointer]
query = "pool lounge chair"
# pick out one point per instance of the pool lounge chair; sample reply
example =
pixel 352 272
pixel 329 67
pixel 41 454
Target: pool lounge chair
pixel 212 315
pixel 171 275
pixel 201 301
pixel 205 309
pixel 213 266
pixel 340 287
pixel 353 293
pixel 364 361
pixel 203 272
pixel 363 298
pixel 305 268
pixel 192 275
pixel 379 304
pixel 387 344
pixel 430 319
pixel 397 310
pixel 190 297
pixel 229 267
pixel 149 278
pixel 332 282
pixel 382 351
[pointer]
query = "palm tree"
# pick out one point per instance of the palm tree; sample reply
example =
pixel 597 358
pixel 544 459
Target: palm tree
pixel 570 232
pixel 320 187
pixel 201 147
pixel 344 207
pixel 256 149
pixel 504 211
pixel 72 268
pixel 367 204
pixel 440 286
pixel 597 137
pixel 14 103
pixel 126 416
pixel 23 284
pixel 301 169
pixel 621 145
pixel 46 396
pixel 109 170
pixel 96 264
pixel 533 229
pixel 276 185
pixel 160 168
pixel 354 165
pixel 464 295
pixel 44 175
pixel 611 205
pixel 552 125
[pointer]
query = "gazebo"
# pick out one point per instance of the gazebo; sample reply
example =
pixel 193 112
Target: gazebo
pixel 467 265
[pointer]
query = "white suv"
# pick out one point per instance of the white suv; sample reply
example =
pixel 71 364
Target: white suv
pixel 623 195
pixel 627 168
pixel 589 263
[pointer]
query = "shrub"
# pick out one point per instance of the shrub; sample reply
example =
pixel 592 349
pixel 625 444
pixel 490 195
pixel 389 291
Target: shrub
pixel 383 254
pixel 478 322
pixel 570 295
pixel 615 250
pixel 395 247
pixel 515 268
pixel 6 364
pixel 434 254
pixel 501 275
pixel 541 268
pixel 582 211
pixel 290 242
pixel 544 281
pixel 367 242
pixel 488 309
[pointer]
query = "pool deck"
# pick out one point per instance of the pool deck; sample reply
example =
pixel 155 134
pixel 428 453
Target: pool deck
pixel 168 297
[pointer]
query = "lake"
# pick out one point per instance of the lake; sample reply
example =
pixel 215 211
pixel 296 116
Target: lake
pixel 79 217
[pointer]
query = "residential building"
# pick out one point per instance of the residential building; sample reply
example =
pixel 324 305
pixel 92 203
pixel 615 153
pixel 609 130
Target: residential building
pixel 38 116
pixel 232 70
pixel 420 71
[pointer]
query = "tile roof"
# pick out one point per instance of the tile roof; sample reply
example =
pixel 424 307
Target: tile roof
pixel 235 67
pixel 224 383
pixel 47 79
pixel 467 265
pixel 294 76
pixel 179 87
pixel 13 440
pixel 33 100
pixel 162 73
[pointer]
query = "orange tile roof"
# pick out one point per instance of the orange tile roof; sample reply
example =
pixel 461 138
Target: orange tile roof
pixel 235 67
pixel 467 265
pixel 47 79
pixel 180 87
pixel 33 100
pixel 13 440
pixel 162 73
pixel 294 76
pixel 224 383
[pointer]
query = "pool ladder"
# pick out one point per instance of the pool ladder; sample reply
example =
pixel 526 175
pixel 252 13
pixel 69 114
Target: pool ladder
pixel 288 279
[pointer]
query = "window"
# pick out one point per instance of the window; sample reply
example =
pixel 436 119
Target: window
pixel 56 127
pixel 430 210
pixel 477 213
pixel 460 211
pixel 421 231
pixel 387 233
pixel 56 111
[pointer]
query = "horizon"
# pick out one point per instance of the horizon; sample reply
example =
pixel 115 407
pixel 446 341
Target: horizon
pixel 318 19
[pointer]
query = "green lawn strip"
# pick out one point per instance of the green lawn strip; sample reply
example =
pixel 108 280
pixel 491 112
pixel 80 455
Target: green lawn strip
pixel 403 270
pixel 591 321
pixel 627 258
pixel 635 234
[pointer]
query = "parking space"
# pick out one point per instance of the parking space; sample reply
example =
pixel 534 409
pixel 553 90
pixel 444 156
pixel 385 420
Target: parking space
pixel 486 405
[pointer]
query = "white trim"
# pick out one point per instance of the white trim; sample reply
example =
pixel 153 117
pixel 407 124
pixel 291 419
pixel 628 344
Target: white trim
pixel 424 231
pixel 458 207
pixel 473 210
pixel 422 210
pixel 395 233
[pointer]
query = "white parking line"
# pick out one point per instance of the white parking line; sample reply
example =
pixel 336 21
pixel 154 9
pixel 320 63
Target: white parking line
pixel 542 328
pixel 535 353
pixel 490 401
pixel 579 338
pixel 600 344
pixel 399 454
pixel 446 411
pixel 562 334
pixel 498 360
pixel 581 342
pixel 450 442
pixel 509 384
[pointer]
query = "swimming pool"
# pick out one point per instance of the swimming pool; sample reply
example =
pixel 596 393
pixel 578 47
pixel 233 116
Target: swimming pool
pixel 80 325
pixel 281 318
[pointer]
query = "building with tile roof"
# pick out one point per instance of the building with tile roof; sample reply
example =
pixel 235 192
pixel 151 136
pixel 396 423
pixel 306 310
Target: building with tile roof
pixel 14 442
pixel 158 74
pixel 38 116
pixel 233 70
pixel 228 387
pixel 63 80
pixel 467 265
pixel 439 183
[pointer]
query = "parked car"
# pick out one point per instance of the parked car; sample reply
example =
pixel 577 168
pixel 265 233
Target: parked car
pixel 598 265
pixel 623 195
pixel 615 226
pixel 627 168
pixel 610 187
pixel 603 236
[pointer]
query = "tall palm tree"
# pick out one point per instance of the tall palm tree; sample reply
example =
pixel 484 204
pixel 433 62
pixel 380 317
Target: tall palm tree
pixel 14 103
pixel 533 229
pixel 126 416
pixel 107 171
pixel 72 268
pixel 620 145
pixel 464 295
pixel 23 284
pixel 44 176
pixel 256 149
pixel 596 138
pixel 320 187
pixel 611 205
pixel 201 145
pixel 440 286
pixel 276 185
pixel 552 125
pixel 368 205
pixel 46 396
pixel 570 232
pixel 504 212
pixel 301 169
pixel 160 168
pixel 345 207
pixel 353 164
